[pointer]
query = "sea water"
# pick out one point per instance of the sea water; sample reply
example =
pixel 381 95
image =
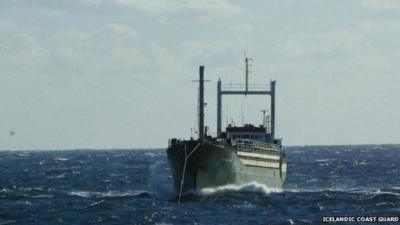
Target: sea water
pixel 135 187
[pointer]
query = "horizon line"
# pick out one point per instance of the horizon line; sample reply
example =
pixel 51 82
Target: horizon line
pixel 155 148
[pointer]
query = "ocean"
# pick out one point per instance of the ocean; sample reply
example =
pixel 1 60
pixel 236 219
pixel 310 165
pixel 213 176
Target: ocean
pixel 135 187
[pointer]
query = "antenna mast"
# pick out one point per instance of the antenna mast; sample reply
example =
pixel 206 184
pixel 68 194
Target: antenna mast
pixel 264 118
pixel 269 121
pixel 201 103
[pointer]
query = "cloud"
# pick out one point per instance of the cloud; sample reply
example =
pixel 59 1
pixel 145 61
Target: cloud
pixel 327 44
pixel 121 30
pixel 113 49
pixel 379 25
pixel 208 48
pixel 381 4
pixel 20 48
pixel 216 7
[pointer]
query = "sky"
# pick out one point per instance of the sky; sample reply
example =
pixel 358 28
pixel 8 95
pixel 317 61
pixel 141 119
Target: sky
pixel 118 73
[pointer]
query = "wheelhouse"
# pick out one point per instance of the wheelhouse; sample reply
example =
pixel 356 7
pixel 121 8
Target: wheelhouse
pixel 248 132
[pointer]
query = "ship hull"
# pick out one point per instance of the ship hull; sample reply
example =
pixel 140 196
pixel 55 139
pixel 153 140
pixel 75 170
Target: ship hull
pixel 211 165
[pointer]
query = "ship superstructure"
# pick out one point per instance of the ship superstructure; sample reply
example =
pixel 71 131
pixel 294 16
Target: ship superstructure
pixel 237 155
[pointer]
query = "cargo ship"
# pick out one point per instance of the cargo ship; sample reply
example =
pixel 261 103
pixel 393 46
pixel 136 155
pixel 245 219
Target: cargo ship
pixel 237 155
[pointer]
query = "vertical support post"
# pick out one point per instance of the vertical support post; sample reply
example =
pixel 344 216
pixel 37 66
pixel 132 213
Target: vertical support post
pixel 219 107
pixel 201 103
pixel 273 111
pixel 247 74
pixel 264 118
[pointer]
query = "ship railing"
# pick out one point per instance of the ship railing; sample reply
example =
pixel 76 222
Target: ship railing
pixel 246 143
pixel 176 141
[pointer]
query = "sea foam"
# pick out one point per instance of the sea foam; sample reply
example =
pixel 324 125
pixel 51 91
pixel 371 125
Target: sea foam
pixel 249 187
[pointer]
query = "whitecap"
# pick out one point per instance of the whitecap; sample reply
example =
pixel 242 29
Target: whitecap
pixel 92 205
pixel 40 196
pixel 360 162
pixel 96 203
pixel 61 159
pixel 84 194
pixel 56 176
pixel 391 204
pixel 23 154
pixel 150 154
pixel 312 180
pixel 366 191
pixel 87 194
pixel 380 192
pixel 249 187
pixel 323 160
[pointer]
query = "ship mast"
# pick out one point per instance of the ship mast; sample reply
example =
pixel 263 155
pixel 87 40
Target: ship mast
pixel 246 91
pixel 201 103
pixel 246 60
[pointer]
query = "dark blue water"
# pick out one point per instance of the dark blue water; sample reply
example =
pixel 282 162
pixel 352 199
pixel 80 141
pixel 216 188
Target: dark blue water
pixel 134 187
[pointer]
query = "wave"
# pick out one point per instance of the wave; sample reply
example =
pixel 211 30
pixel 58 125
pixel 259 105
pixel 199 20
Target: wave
pixel 4 222
pixel 92 205
pixel 367 191
pixel 384 192
pixel 98 194
pixel 40 192
pixel 254 187
pixel 229 190
pixel 324 160
pixel 27 192
pixel 249 187
pixel 160 180
pixel 61 159
pixel 23 154
pixel 23 189
pixel 56 176
pixel 4 190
